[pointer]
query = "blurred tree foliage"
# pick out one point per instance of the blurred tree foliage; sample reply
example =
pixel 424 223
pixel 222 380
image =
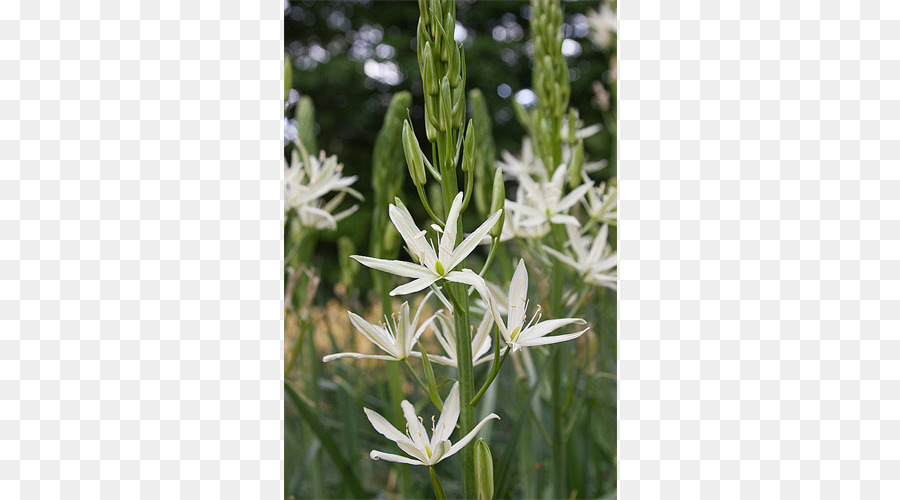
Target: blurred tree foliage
pixel 350 57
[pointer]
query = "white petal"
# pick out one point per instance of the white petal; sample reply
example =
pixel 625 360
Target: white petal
pixel 518 291
pixel 565 219
pixel 357 355
pixel 545 327
pixel 376 334
pixel 471 241
pixel 398 267
pixel 573 197
pixel 468 437
pixel 448 240
pixel 553 339
pixel 439 452
pixel 414 285
pixel 415 428
pixel 414 452
pixel 441 360
pixel 565 259
pixel 467 277
pixel 414 238
pixel 449 416
pixel 390 457
pixel 384 427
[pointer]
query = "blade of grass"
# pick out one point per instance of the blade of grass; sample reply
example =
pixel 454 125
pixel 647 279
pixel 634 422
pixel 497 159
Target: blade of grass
pixel 334 452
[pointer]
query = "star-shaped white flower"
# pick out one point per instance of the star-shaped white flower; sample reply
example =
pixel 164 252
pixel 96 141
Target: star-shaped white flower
pixel 307 180
pixel 397 339
pixel 514 331
pixel 415 442
pixel 602 203
pixel 481 341
pixel 595 263
pixel 543 202
pixel 432 265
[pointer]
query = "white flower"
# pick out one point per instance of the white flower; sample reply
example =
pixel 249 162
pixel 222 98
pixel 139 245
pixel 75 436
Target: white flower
pixel 397 340
pixel 595 263
pixel 602 203
pixel 446 336
pixel 543 202
pixel 415 442
pixel 603 25
pixel 515 332
pixel 307 180
pixel 432 265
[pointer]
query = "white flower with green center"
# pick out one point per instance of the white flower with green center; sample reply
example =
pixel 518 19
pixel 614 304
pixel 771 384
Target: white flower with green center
pixel 396 337
pixel 415 442
pixel 432 265
pixel 539 203
pixel 593 259
pixel 446 336
pixel 515 331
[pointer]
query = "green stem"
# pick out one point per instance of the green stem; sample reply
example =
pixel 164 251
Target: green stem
pixel 470 181
pixel 495 367
pixel 395 387
pixel 415 375
pixel 556 375
pixel 436 483
pixel 424 198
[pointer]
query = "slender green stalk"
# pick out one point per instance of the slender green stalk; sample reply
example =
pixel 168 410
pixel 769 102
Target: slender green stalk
pixel 436 483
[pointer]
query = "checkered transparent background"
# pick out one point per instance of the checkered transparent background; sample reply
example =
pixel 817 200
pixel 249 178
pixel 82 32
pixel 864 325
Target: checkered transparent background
pixel 140 305
pixel 760 269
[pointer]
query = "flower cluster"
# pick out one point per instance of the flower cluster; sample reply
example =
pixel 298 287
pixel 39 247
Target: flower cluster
pixel 307 182
pixel 432 265
pixel 542 200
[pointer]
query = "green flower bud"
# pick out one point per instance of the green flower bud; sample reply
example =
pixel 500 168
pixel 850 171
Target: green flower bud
pixel 454 65
pixel 469 148
pixel 433 110
pixel 430 129
pixel 446 108
pixel 573 120
pixel 576 165
pixel 484 470
pixel 306 124
pixel 459 107
pixel 423 11
pixel 498 201
pixel 449 29
pixel 288 80
pixel 430 79
pixel 414 157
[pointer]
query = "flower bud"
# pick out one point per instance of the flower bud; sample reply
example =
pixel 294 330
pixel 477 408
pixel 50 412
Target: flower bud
pixel 414 158
pixel 430 79
pixel 573 121
pixel 288 80
pixel 449 40
pixel 459 107
pixel 484 471
pixel 454 65
pixel 576 165
pixel 423 11
pixel 306 124
pixel 468 162
pixel 430 129
pixel 498 201
pixel 446 107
